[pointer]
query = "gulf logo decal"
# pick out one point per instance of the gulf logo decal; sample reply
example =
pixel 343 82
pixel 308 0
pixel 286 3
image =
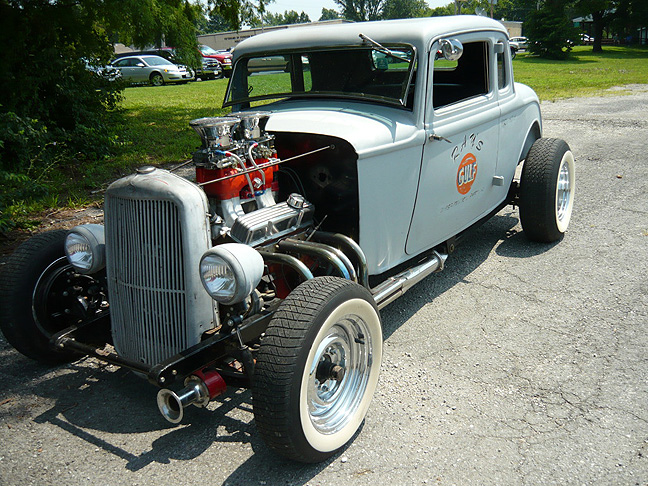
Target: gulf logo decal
pixel 467 173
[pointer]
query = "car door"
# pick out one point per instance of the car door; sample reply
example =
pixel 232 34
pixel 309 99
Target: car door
pixel 459 164
pixel 140 70
pixel 128 68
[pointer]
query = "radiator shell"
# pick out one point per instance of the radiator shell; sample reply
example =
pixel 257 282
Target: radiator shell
pixel 157 229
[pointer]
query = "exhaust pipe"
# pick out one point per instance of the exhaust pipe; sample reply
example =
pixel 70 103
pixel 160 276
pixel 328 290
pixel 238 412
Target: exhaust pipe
pixel 388 291
pixel 200 388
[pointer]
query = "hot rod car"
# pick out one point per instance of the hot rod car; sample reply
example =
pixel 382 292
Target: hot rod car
pixel 339 180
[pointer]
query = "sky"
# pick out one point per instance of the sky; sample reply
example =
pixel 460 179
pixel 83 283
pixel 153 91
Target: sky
pixel 314 7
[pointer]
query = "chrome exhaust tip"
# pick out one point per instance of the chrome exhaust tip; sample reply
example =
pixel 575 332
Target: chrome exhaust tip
pixel 199 389
pixel 170 406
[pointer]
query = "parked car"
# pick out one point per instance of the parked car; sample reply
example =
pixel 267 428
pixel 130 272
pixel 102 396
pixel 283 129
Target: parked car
pixel 151 69
pixel 223 57
pixel 520 42
pixel 586 39
pixel 362 172
pixel 209 69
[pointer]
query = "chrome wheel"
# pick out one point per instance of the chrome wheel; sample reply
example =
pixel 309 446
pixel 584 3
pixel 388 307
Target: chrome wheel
pixel 338 374
pixel 565 191
pixel 317 368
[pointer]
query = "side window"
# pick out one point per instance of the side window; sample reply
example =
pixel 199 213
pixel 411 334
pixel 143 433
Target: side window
pixel 503 73
pixel 463 79
pixel 502 76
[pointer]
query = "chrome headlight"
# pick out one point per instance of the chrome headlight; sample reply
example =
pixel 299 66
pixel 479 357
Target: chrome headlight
pixel 230 272
pixel 85 247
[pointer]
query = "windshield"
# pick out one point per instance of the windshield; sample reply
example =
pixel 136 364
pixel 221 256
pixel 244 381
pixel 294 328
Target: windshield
pixel 207 50
pixel 365 73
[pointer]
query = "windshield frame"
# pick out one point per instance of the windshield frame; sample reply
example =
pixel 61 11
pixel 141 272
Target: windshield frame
pixel 401 102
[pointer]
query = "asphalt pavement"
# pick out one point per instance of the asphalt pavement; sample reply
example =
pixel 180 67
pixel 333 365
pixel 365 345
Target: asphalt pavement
pixel 520 364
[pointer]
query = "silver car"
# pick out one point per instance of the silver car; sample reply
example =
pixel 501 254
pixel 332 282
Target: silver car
pixel 151 69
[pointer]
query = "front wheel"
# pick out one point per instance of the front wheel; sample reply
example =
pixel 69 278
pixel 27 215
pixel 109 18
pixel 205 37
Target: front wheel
pixel 317 369
pixel 547 187
pixel 156 79
pixel 41 294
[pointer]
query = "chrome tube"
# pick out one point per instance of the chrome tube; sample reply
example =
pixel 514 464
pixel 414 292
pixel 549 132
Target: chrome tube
pixel 352 249
pixel 322 252
pixel 397 285
pixel 172 404
pixel 296 264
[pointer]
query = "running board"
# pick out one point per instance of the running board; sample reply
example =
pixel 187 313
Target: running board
pixel 392 288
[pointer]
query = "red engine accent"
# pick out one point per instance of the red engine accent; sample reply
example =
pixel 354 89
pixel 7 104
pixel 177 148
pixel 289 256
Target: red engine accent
pixel 236 186
pixel 214 381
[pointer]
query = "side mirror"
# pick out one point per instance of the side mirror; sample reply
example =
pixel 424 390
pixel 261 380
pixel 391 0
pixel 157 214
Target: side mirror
pixel 451 49
pixel 141 64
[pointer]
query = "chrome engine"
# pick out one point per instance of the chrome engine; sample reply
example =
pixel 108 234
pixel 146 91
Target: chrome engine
pixel 236 166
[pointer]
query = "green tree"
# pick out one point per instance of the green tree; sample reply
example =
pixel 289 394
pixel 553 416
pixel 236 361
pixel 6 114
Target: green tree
pixel 602 12
pixel 292 17
pixel 405 9
pixel 214 22
pixel 517 10
pixel 239 12
pixel 288 17
pixel 329 14
pixel 55 103
pixel 550 30
pixel 630 16
pixel 361 10
pixel 441 11
pixel 45 84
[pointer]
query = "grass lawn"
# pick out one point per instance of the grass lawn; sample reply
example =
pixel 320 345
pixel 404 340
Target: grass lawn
pixel 156 120
pixel 585 73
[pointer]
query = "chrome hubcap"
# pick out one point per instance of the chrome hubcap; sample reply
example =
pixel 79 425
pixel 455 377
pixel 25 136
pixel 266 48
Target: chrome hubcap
pixel 564 191
pixel 338 374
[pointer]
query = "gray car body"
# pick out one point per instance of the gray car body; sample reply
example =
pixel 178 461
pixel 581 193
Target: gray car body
pixel 140 69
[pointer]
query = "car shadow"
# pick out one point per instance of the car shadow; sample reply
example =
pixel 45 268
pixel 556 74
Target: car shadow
pixel 91 397
pixel 499 235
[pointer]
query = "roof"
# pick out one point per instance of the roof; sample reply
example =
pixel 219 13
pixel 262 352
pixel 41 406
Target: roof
pixel 417 32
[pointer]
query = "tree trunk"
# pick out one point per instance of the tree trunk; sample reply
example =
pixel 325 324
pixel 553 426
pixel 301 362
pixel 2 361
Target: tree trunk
pixel 597 17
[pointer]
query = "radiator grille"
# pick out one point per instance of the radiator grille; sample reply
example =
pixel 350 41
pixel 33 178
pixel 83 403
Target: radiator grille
pixel 144 254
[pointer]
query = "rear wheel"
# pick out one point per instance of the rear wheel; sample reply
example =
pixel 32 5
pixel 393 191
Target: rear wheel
pixel 547 189
pixel 41 294
pixel 156 79
pixel 317 369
